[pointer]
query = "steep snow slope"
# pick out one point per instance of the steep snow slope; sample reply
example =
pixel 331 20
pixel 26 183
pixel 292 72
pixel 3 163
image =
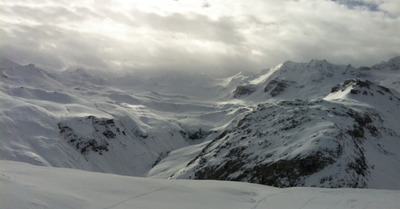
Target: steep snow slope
pixel 26 186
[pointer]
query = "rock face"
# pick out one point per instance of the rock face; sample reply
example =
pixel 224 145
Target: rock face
pixel 94 138
pixel 361 87
pixel 276 86
pixel 242 90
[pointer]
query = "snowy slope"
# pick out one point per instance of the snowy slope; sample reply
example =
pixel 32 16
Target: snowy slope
pixel 79 120
pixel 26 186
pixel 36 108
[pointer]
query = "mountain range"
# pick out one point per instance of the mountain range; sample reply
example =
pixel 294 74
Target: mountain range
pixel 312 124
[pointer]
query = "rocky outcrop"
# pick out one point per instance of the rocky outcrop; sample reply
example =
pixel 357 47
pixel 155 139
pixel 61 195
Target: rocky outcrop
pixel 95 138
pixel 277 86
pixel 242 90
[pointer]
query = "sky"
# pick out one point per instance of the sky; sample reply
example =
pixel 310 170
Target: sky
pixel 211 36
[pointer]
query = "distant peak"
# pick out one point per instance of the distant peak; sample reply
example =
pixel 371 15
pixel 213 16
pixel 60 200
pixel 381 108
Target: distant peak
pixel 395 62
pixel 318 63
pixel 79 70
pixel 5 62
pixel 3 59
pixel 314 63
pixel 391 64
pixel 395 59
pixel 288 64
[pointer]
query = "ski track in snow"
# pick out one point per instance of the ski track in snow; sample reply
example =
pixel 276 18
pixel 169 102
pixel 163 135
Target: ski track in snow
pixel 265 198
pixel 137 196
pixel 334 206
pixel 308 201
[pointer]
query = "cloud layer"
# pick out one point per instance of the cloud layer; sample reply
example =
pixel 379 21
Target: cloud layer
pixel 207 36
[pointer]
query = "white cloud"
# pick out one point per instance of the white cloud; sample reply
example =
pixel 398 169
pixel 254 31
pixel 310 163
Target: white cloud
pixel 222 36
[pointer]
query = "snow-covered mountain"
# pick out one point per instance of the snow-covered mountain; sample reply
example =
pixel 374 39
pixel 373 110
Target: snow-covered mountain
pixel 312 80
pixel 297 124
pixel 345 140
pixel 78 120
pixel 316 124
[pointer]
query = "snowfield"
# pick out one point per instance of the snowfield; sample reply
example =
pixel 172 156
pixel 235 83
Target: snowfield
pixel 27 186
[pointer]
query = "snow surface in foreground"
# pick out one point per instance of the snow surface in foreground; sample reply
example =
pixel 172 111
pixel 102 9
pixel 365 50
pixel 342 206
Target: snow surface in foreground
pixel 27 186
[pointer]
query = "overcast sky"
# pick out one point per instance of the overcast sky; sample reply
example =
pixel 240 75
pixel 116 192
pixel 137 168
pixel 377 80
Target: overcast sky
pixel 201 35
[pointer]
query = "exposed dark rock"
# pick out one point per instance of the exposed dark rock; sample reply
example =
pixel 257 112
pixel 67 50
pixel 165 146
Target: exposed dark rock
pixel 160 157
pixel 140 134
pixel 102 130
pixel 194 134
pixel 109 134
pixel 335 89
pixel 275 87
pixel 364 68
pixel 197 134
pixel 246 89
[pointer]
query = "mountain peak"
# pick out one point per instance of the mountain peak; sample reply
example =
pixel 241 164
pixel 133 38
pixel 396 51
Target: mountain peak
pixel 82 72
pixel 314 63
pixel 81 75
pixel 318 62
pixel 391 64
pixel 396 58
pixel 6 63
pixel 78 71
